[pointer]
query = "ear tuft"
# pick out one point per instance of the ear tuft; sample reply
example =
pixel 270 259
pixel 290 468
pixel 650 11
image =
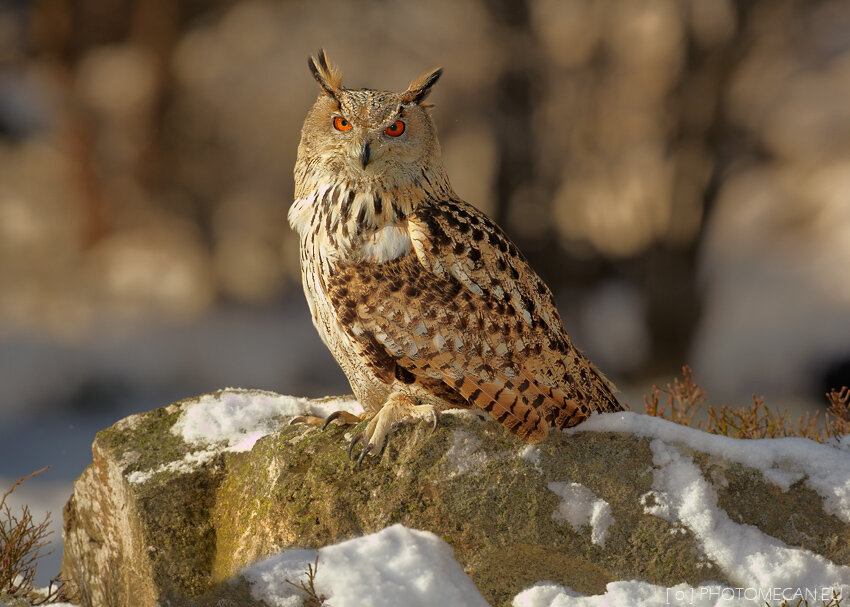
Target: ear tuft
pixel 421 87
pixel 327 75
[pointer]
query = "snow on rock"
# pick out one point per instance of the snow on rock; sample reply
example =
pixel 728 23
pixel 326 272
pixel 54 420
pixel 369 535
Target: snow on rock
pixel 395 566
pixel 782 461
pixel 545 594
pixel 531 454
pixel 637 593
pixel 465 455
pixel 766 569
pixel 239 418
pixel 644 594
pixel 189 462
pixel 749 557
pixel 234 420
pixel 580 507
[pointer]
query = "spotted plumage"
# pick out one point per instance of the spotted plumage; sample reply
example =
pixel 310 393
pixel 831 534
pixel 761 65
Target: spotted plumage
pixel 423 300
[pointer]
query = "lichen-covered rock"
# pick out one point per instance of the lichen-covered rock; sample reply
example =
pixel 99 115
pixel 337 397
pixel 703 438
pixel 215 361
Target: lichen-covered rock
pixel 155 518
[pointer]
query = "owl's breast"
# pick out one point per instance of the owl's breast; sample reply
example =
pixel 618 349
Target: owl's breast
pixel 321 258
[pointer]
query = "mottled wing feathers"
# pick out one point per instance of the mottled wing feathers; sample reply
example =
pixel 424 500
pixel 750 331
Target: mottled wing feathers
pixel 412 326
pixel 456 238
pixel 465 317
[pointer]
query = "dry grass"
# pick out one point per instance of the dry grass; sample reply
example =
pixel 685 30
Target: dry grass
pixel 681 400
pixel 21 543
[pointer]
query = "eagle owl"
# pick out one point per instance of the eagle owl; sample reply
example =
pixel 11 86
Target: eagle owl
pixel 422 299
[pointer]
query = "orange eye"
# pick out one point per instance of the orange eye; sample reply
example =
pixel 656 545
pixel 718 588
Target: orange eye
pixel 341 124
pixel 395 129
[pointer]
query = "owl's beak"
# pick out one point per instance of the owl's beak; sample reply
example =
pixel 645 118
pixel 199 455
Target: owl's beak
pixel 364 155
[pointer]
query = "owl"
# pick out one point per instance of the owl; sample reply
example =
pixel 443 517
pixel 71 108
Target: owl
pixel 423 300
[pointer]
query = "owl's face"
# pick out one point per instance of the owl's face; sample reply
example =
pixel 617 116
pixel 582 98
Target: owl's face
pixel 367 135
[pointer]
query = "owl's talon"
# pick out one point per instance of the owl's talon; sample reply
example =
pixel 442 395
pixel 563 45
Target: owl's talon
pixel 301 419
pixel 341 417
pixel 356 439
pixel 436 420
pixel 366 449
pixel 330 418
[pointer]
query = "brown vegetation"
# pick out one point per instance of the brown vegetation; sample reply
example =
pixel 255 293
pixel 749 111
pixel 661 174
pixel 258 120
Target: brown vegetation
pixel 682 400
pixel 21 543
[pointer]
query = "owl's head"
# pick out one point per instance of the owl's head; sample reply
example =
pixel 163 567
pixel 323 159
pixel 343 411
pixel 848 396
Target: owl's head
pixel 366 135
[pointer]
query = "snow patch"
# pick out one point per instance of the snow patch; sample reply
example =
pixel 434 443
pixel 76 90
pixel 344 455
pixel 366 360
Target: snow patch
pixel 840 442
pixel 531 454
pixel 395 566
pixel 188 463
pixel 644 594
pixel 636 593
pixel 581 508
pixel 783 461
pixel 749 557
pixel 545 594
pixel 234 420
pixel 465 454
pixel 239 418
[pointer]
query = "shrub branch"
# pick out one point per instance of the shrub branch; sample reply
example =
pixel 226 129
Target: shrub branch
pixel 21 544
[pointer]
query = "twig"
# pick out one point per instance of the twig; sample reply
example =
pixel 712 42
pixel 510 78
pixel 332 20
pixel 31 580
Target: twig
pixel 314 599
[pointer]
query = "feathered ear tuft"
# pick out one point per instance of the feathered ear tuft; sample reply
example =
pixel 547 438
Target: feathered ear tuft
pixel 419 88
pixel 328 76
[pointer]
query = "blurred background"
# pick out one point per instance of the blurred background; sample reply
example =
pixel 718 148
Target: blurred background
pixel 678 171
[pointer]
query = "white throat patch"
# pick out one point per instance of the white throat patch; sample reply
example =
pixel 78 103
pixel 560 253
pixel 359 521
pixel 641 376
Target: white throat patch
pixel 388 243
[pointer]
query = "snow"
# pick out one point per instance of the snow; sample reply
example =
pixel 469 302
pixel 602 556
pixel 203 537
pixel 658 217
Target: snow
pixel 581 508
pixel 464 455
pixel 402 566
pixel 395 566
pixel 234 420
pixel 783 461
pixel 239 418
pixel 189 462
pixel 644 594
pixel 749 557
pixel 764 568
pixel 531 454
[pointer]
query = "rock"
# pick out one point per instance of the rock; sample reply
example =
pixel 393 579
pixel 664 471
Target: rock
pixel 159 520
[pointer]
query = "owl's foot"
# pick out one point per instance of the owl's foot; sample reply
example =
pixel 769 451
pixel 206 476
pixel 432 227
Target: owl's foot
pixel 340 417
pixel 398 408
